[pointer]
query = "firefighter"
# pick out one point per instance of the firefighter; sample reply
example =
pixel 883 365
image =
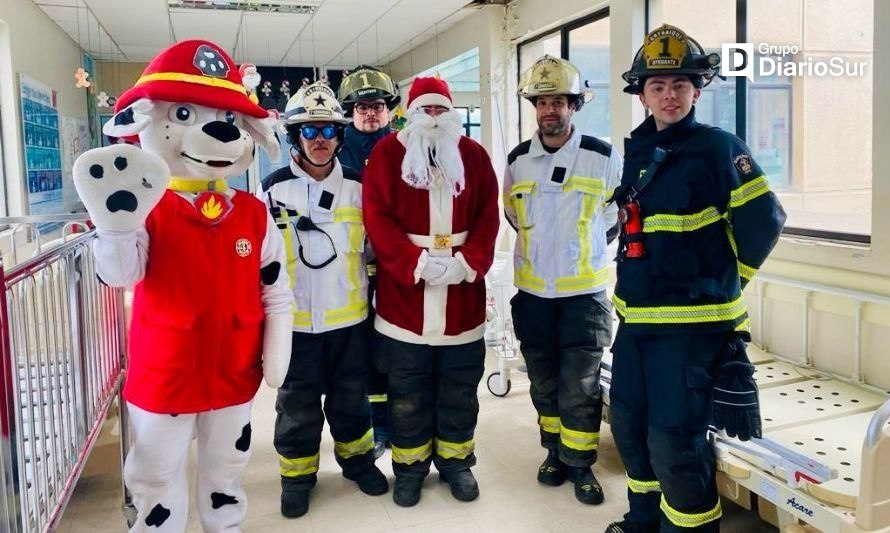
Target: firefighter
pixel 698 220
pixel 317 206
pixel 555 188
pixel 368 95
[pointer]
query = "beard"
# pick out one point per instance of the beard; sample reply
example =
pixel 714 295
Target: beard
pixel 433 141
pixel 555 128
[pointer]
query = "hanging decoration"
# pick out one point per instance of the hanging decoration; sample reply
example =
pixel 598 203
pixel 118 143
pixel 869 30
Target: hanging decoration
pixel 80 78
pixel 251 80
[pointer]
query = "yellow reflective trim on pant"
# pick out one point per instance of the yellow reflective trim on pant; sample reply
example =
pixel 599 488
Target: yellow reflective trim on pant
pixel 549 424
pixel 587 185
pixel 372 269
pixel 359 446
pixel 583 441
pixel 748 191
pixel 377 398
pixel 407 456
pixel 643 487
pixel 301 466
pixel 302 319
pixel 744 326
pixel 454 450
pixel 586 281
pixel 348 214
pixel 745 271
pixel 680 314
pixel 681 223
pixel 690 519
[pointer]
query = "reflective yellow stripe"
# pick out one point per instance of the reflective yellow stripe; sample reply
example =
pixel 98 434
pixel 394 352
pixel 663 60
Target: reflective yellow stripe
pixel 524 277
pixel 192 78
pixel 680 314
pixel 581 282
pixel 407 456
pixel 642 487
pixel 349 313
pixel 678 223
pixel 454 450
pixel 744 326
pixel 690 520
pixel 587 185
pixel 745 271
pixel 748 191
pixel 361 445
pixel 301 466
pixel 523 187
pixel 348 214
pixel 377 398
pixel 302 319
pixel 583 441
pixel 356 307
pixel 549 424
pixel 372 269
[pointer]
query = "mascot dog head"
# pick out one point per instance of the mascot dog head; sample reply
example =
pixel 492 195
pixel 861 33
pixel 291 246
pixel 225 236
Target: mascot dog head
pixel 191 108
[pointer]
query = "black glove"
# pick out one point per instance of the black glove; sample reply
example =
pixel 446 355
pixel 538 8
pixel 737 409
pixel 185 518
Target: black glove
pixel 736 406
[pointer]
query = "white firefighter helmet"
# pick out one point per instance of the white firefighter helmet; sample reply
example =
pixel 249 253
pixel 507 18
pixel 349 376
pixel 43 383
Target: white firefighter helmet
pixel 315 103
pixel 551 76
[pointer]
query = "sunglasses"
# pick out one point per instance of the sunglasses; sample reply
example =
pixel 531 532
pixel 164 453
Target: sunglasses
pixel 311 132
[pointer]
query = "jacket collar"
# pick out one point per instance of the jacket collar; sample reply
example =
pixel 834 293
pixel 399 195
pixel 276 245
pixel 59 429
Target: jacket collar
pixel 537 146
pixel 647 130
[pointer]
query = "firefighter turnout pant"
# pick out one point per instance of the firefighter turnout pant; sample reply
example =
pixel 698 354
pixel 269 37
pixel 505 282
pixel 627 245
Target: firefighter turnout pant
pixel 660 408
pixel 377 381
pixel 433 404
pixel 334 363
pixel 562 341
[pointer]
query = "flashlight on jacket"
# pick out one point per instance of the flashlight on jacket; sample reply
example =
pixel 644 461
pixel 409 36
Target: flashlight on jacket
pixel 630 219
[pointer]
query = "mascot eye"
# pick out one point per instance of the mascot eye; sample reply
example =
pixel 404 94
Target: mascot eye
pixel 230 117
pixel 182 113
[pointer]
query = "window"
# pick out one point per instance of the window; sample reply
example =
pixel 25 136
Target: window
pixel 584 42
pixel 811 134
pixel 472 122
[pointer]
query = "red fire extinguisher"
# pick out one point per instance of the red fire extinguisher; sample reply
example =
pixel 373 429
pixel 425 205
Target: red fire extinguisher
pixel 630 219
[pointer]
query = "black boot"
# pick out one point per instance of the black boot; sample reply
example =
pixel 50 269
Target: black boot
pixel 552 472
pixel 631 527
pixel 462 483
pixel 587 488
pixel 295 503
pixel 406 490
pixel 371 481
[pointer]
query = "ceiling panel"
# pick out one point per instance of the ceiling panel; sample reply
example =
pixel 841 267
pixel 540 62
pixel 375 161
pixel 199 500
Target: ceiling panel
pixel 135 22
pixel 220 27
pixel 265 37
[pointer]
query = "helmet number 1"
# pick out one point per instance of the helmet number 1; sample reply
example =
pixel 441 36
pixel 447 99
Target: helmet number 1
pixel 664 47
pixel 365 80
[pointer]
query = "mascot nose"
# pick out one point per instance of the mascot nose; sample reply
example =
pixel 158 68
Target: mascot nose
pixel 221 131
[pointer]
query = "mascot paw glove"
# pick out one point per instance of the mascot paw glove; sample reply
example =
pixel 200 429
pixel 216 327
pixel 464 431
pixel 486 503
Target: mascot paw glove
pixel 276 349
pixel 120 185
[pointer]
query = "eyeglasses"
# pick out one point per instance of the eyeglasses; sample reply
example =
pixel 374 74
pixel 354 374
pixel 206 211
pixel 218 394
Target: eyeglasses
pixel 311 132
pixel 304 223
pixel 363 109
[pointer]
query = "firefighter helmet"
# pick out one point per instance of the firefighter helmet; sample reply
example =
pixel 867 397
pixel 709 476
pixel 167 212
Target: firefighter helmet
pixel 551 76
pixel 668 50
pixel 315 103
pixel 367 83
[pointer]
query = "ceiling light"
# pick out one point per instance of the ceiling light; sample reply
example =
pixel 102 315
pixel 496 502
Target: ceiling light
pixel 281 6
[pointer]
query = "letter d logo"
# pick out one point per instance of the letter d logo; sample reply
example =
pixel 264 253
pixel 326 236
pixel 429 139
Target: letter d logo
pixel 737 60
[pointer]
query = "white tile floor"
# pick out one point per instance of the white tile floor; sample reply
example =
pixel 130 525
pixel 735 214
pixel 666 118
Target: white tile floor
pixel 511 500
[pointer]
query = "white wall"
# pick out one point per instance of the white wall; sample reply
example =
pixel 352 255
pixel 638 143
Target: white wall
pixel 40 49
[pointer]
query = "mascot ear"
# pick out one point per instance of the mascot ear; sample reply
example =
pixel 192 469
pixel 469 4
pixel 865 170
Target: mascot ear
pixel 263 132
pixel 131 120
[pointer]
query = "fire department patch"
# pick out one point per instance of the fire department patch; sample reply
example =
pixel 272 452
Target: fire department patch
pixel 243 247
pixel 743 163
pixel 213 206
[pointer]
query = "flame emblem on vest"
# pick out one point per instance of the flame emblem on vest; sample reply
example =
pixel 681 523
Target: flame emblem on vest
pixel 243 247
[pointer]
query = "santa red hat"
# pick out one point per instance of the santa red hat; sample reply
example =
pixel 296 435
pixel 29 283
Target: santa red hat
pixel 429 91
pixel 197 72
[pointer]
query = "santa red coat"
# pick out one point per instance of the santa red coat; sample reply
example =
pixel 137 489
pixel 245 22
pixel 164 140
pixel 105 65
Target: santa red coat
pixel 197 333
pixel 408 309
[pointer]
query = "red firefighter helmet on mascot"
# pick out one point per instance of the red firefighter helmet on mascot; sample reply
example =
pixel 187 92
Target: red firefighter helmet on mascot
pixel 197 72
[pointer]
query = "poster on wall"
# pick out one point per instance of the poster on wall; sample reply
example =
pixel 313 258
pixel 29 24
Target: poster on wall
pixel 43 158
pixel 75 137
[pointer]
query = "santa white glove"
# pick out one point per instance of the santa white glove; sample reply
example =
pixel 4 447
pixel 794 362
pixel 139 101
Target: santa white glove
pixel 454 273
pixel 276 349
pixel 432 269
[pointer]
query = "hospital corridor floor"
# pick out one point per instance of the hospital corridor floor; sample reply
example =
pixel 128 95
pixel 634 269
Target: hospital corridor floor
pixel 511 500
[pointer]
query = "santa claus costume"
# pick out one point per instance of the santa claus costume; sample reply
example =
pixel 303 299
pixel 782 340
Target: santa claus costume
pixel 431 213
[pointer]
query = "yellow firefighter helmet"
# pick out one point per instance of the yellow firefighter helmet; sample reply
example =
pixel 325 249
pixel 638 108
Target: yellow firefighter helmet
pixel 551 76
pixel 668 50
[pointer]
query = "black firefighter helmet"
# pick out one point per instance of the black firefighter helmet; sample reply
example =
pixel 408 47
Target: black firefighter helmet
pixel 668 50
pixel 367 83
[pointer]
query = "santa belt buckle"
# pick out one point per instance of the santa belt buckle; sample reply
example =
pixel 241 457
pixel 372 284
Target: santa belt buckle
pixel 441 242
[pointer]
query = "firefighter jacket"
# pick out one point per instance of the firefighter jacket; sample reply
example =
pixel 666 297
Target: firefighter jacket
pixel 406 223
pixel 324 237
pixel 357 146
pixel 709 220
pixel 557 204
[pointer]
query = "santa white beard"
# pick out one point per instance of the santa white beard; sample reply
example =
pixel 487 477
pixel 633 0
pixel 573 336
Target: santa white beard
pixel 433 138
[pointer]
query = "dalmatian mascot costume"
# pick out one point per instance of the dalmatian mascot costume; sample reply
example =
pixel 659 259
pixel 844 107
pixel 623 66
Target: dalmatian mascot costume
pixel 212 308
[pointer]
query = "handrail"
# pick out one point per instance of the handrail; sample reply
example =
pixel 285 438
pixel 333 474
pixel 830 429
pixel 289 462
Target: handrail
pixel 876 425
